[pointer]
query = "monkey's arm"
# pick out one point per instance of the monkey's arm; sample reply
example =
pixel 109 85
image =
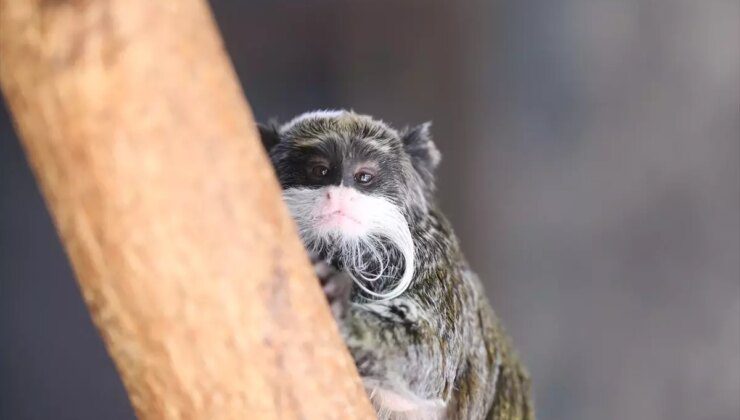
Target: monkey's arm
pixel 399 353
pixel 397 344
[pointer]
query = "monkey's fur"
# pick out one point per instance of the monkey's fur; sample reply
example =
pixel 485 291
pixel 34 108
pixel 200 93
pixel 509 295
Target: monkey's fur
pixel 432 349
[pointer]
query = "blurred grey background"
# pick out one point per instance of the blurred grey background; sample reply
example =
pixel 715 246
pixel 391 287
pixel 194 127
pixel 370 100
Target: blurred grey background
pixel 591 168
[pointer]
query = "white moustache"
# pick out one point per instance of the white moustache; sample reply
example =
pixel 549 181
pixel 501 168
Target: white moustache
pixel 379 223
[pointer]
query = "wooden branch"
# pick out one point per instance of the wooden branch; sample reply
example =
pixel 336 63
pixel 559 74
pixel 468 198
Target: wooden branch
pixel 147 155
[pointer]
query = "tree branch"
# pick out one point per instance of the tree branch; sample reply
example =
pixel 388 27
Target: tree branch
pixel 148 158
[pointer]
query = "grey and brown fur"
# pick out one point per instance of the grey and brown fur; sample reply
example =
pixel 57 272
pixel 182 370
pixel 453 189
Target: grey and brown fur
pixel 438 345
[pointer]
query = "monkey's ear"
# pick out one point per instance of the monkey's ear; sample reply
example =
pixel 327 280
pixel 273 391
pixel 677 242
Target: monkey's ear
pixel 425 157
pixel 269 134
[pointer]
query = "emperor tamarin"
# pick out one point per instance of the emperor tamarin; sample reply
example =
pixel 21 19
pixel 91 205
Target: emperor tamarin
pixel 414 316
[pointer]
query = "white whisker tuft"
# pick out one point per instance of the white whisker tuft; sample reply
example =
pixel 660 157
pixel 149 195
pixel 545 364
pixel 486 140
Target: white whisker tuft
pixel 369 253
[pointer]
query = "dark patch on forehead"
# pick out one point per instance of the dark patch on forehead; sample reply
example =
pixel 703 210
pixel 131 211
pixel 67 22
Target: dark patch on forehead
pixel 346 140
pixel 327 146
pixel 345 156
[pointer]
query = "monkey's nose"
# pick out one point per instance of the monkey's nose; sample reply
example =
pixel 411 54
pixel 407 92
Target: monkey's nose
pixel 333 193
pixel 339 195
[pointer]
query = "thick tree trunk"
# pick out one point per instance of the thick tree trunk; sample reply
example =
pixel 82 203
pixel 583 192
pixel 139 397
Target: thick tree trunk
pixel 146 151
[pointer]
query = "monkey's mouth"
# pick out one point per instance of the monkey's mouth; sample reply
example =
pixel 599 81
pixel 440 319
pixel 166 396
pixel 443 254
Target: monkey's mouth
pixel 339 219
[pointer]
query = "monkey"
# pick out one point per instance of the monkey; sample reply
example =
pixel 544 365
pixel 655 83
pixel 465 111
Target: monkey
pixel 413 315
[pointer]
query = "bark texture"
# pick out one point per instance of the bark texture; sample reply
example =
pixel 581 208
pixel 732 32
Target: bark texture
pixel 147 155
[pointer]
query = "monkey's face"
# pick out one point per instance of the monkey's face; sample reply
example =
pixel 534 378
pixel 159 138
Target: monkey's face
pixel 354 186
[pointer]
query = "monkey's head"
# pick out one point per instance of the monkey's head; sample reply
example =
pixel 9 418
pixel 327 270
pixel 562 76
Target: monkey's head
pixel 354 186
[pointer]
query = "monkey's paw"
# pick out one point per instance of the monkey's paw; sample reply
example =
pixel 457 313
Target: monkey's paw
pixel 337 285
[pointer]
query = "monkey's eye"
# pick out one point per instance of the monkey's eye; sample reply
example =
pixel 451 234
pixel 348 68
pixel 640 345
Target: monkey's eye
pixel 363 177
pixel 319 171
